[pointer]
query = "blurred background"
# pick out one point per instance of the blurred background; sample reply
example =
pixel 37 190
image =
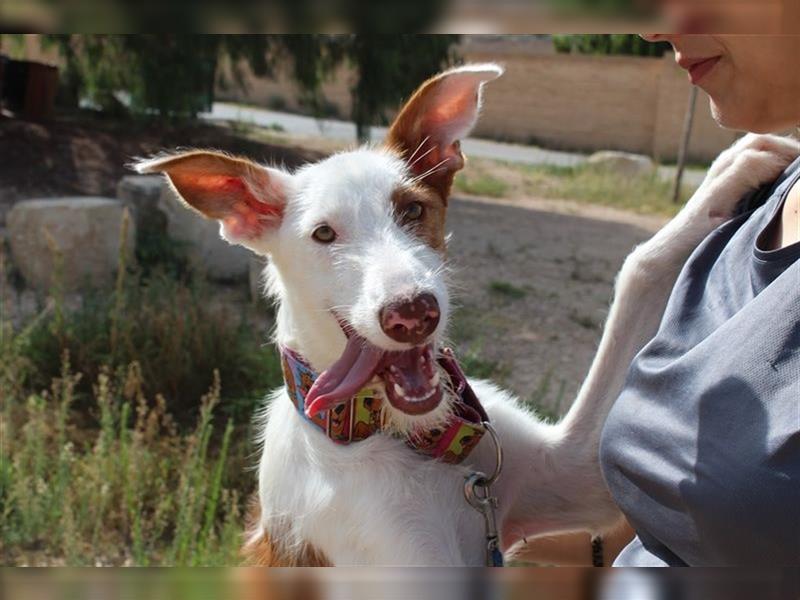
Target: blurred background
pixel 391 16
pixel 135 342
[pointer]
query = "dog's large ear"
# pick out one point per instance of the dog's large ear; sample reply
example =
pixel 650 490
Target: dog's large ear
pixel 247 199
pixel 430 125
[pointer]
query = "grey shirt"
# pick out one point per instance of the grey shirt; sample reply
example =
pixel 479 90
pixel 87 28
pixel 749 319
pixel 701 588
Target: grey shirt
pixel 702 449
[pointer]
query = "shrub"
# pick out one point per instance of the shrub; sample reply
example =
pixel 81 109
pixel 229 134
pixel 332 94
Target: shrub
pixel 132 491
pixel 95 469
pixel 168 327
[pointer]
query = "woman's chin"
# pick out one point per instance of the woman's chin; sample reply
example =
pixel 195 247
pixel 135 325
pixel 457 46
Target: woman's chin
pixel 732 115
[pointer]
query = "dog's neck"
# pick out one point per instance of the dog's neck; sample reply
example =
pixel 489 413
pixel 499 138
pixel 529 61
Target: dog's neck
pixel 315 335
pixel 304 327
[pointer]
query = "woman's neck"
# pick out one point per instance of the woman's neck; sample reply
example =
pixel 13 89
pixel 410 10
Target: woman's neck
pixel 787 229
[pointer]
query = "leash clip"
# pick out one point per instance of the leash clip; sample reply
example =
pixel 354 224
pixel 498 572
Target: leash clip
pixel 478 493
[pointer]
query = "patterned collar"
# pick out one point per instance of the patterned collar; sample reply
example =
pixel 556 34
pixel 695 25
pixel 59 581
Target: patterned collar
pixel 360 417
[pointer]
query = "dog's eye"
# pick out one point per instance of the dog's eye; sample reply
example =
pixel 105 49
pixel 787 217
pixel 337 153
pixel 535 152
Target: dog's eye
pixel 324 234
pixel 413 211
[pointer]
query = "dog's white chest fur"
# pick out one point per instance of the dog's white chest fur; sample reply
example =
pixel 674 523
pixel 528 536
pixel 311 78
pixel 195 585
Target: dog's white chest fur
pixel 372 502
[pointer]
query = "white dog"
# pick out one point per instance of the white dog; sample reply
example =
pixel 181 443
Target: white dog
pixel 366 449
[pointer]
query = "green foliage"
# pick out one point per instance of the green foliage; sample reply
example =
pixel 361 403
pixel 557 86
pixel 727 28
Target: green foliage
pixel 131 491
pixel 170 329
pixel 389 69
pixel 164 75
pixel 165 324
pixel 93 467
pixel 648 194
pixel 614 43
pixel 173 75
pixel 507 290
pixel 169 75
pixel 276 102
pixel 481 185
pixel 645 193
pixel 540 399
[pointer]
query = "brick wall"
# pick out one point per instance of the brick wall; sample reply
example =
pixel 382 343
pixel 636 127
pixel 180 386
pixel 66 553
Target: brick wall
pixel 572 102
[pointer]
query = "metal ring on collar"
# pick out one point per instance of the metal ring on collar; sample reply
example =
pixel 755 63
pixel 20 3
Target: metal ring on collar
pixel 498 467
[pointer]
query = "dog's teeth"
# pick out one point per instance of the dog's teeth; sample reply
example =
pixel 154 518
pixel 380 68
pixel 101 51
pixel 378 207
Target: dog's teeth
pixel 434 381
pixel 394 370
pixel 399 391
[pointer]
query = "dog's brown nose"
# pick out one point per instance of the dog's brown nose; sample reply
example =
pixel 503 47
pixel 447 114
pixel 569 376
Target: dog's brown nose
pixel 411 321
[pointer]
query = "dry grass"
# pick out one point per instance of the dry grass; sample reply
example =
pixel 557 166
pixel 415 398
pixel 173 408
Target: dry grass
pixel 94 469
pixel 643 194
pixel 131 491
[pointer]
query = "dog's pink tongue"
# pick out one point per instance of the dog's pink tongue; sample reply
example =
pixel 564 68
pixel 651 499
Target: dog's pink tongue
pixel 345 377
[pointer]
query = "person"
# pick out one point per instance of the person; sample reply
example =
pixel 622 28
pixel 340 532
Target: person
pixel 701 450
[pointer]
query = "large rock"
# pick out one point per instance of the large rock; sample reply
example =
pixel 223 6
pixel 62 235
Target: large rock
pixel 140 193
pixel 207 251
pixel 84 231
pixel 623 163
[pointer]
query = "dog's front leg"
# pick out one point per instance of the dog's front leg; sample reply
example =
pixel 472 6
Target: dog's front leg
pixel 558 485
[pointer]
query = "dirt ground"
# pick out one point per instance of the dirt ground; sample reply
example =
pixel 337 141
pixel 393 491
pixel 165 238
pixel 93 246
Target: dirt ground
pixel 534 281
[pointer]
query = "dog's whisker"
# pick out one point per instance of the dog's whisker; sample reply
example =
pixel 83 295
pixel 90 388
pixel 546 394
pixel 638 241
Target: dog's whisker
pixel 431 171
pixel 417 149
pixel 421 156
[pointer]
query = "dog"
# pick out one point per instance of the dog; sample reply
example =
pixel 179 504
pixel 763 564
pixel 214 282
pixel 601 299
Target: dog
pixel 366 449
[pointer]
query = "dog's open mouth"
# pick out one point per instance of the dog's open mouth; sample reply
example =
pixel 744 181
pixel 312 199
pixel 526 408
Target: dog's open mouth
pixel 412 380
pixel 410 377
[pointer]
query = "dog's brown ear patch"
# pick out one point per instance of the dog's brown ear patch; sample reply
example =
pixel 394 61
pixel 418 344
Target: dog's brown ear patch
pixel 247 198
pixel 430 125
pixel 430 226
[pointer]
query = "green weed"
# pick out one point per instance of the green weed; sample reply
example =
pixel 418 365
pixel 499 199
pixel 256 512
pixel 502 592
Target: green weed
pixel 130 491
pixel 168 327
pixel 481 185
pixel 506 289
pixel 647 194
pixel 465 335
pixel 541 401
